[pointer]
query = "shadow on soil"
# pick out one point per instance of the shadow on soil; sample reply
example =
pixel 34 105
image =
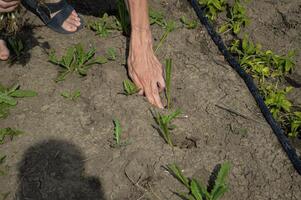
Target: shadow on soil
pixel 54 170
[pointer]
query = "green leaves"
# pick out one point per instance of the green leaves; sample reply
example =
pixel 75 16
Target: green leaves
pixel 8 98
pixel 189 24
pixel 129 87
pixel 295 122
pixel 9 132
pixel 117 132
pixel 168 68
pixel 77 60
pixel 213 7
pixel 165 126
pixel 238 18
pixel 196 190
pixel 71 95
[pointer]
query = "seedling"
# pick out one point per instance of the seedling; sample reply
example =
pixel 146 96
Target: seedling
pixel 189 24
pixel 8 98
pixel 16 46
pixel 117 134
pixel 168 67
pixel 9 132
pixel 72 95
pixel 123 17
pixel 76 60
pixel 156 17
pixel 198 191
pixel 213 7
pixel 295 123
pixel 237 19
pixel 105 25
pixel 11 22
pixel 111 54
pixel 164 125
pixel 168 28
pixel 2 162
pixel 129 87
pixel 276 100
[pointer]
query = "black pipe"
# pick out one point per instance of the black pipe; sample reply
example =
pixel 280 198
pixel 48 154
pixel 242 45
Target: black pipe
pixel 278 131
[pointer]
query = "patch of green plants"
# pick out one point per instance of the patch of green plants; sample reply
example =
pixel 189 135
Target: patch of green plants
pixel 156 17
pixel 237 18
pixel 169 27
pixel 76 60
pixel 124 17
pixel 117 134
pixel 295 122
pixel 197 190
pixel 9 98
pixel 9 132
pixel 105 25
pixel 71 95
pixel 168 68
pixel 129 87
pixel 213 7
pixel 111 54
pixel 165 126
pixel 189 24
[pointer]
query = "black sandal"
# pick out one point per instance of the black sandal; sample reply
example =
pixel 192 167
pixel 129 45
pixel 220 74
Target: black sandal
pixel 44 10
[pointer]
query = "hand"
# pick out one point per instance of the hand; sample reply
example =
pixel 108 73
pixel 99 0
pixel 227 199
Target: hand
pixel 8 5
pixel 144 68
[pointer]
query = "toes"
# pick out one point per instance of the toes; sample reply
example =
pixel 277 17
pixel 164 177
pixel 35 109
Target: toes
pixel 69 27
pixel 73 22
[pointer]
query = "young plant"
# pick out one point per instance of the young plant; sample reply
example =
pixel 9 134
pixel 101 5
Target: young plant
pixel 238 18
pixel 105 25
pixel 9 96
pixel 156 17
pixel 16 46
pixel 169 27
pixel 276 100
pixel 168 67
pixel 117 134
pixel 71 95
pixel 129 87
pixel 124 17
pixel 2 162
pixel 213 7
pixel 198 191
pixel 76 60
pixel 9 132
pixel 189 24
pixel 111 54
pixel 164 125
pixel 295 124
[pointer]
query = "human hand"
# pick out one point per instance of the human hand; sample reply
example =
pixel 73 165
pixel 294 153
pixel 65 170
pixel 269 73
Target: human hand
pixel 144 68
pixel 8 5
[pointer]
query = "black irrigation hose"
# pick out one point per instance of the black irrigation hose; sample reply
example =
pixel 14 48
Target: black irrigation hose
pixel 282 138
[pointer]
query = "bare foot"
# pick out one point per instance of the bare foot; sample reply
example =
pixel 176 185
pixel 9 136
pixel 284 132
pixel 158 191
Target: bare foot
pixel 4 52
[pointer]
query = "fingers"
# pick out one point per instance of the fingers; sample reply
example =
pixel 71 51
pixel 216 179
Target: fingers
pixel 137 83
pixel 9 9
pixel 152 95
pixel 8 6
pixel 161 84
pixel 4 52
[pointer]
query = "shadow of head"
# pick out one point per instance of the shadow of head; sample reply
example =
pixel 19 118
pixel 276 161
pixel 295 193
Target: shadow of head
pixel 54 170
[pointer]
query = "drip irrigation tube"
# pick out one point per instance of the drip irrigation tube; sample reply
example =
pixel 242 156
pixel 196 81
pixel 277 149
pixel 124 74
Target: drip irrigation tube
pixel 278 131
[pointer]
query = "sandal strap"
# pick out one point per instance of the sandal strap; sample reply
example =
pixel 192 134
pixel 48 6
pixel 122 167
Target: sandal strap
pixel 61 17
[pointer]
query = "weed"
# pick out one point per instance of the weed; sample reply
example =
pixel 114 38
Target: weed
pixel 8 98
pixel 168 68
pixel 105 25
pixel 123 17
pixel 129 87
pixel 9 132
pixel 156 17
pixel 117 134
pixel 189 24
pixel 2 162
pixel 76 60
pixel 198 191
pixel 71 95
pixel 169 27
pixel 295 122
pixel 237 19
pixel 16 46
pixel 165 126
pixel 213 7
pixel 111 54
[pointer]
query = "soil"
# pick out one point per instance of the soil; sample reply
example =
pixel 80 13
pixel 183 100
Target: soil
pixel 66 153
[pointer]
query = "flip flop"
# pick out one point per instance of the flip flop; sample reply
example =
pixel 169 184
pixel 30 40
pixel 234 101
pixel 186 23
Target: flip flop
pixel 44 11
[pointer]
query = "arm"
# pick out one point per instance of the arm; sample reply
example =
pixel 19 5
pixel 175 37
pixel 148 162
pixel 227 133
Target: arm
pixel 143 66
